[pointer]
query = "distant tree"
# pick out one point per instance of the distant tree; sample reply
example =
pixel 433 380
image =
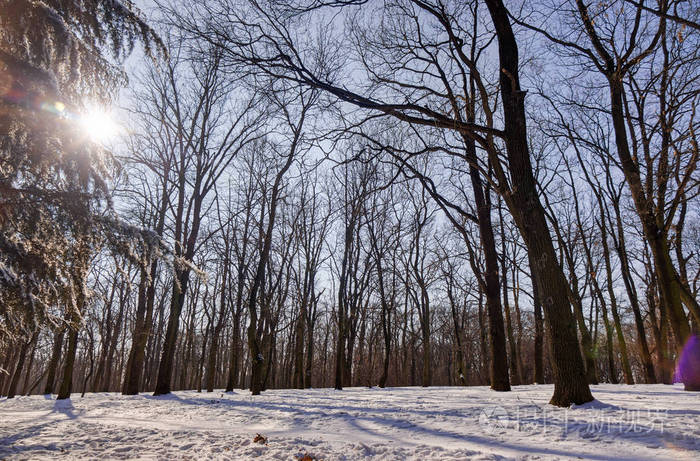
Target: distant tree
pixel 270 43
pixel 294 104
pixel 203 129
pixel 647 62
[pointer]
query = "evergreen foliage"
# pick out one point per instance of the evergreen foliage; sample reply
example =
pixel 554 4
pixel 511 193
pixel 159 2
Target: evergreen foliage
pixel 57 57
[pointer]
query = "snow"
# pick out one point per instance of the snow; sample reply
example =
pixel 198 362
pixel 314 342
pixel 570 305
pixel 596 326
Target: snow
pixel 641 422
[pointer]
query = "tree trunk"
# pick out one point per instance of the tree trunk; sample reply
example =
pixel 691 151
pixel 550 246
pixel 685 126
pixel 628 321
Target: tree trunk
pixel 498 363
pixel 112 345
pixel 142 330
pixel 570 385
pixel 54 361
pixel 626 368
pixel 234 358
pixel 513 360
pixel 309 359
pixel 8 361
pixel 647 361
pixel 19 367
pixel 298 379
pixel 483 329
pixel 587 346
pixel 216 333
pixel 67 380
pixel 200 369
pixel 461 372
pixel 233 367
pixel 539 334
pixel 609 344
pixel 669 283
pixel 165 369
pixel 341 315
pixel 427 375
pixel 25 388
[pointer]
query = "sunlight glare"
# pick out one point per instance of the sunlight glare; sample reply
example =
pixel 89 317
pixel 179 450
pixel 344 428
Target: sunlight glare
pixel 99 125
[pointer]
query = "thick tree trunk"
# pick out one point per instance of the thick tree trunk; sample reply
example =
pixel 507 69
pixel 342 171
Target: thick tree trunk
pixel 67 380
pixel 54 361
pixel 165 368
pixel 664 348
pixel 385 363
pixel 142 329
pixel 660 327
pixel 570 385
pixel 257 361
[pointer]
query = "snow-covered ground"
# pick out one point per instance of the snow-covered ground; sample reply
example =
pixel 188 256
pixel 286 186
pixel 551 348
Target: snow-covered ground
pixel 625 422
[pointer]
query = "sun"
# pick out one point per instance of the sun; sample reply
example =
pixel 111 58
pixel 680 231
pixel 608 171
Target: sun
pixel 99 125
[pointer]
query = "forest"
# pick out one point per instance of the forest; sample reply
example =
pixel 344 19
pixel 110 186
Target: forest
pixel 303 194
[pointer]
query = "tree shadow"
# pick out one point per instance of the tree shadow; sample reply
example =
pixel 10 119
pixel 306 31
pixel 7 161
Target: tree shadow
pixel 14 444
pixel 560 423
pixel 66 407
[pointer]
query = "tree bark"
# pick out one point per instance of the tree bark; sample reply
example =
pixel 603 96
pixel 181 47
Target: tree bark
pixel 498 363
pixel 19 367
pixel 54 361
pixel 570 385
pixel 67 380
pixel 142 329
pixel 165 368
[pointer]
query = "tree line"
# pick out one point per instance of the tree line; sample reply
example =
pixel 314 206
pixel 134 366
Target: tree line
pixel 353 193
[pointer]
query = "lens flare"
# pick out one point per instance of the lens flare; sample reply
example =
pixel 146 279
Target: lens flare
pixel 688 367
pixel 99 125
